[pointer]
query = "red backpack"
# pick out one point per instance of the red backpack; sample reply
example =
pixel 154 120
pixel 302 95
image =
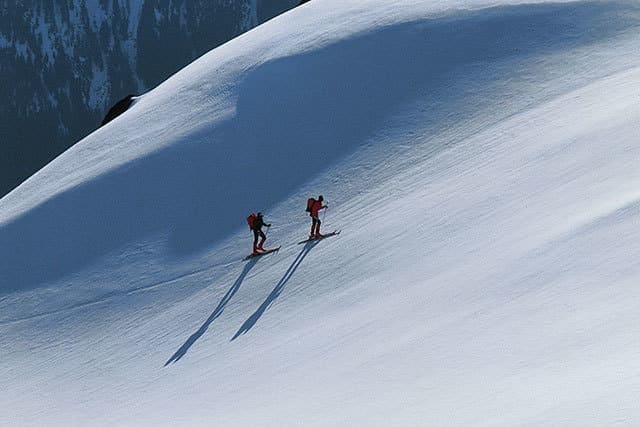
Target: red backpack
pixel 310 202
pixel 251 219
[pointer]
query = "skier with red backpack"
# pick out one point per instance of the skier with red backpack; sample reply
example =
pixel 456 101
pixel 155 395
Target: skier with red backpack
pixel 314 207
pixel 256 222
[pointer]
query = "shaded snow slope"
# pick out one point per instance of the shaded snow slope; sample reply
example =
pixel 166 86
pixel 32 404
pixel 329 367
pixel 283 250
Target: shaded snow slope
pixel 482 163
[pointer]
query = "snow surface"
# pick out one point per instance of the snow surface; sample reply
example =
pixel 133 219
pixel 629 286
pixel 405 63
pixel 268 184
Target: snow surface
pixel 482 162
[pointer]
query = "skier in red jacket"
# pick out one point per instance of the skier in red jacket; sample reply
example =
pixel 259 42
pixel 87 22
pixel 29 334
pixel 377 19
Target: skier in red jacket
pixel 313 207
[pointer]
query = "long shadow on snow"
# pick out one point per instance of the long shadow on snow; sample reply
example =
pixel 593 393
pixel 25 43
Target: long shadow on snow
pixel 216 313
pixel 275 293
pixel 294 116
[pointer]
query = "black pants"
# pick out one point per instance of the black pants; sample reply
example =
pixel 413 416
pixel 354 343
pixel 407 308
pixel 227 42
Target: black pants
pixel 315 225
pixel 258 234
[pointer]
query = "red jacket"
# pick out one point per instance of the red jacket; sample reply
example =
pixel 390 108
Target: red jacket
pixel 315 207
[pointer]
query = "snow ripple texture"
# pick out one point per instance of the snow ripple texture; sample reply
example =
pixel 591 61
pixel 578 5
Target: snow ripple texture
pixel 481 160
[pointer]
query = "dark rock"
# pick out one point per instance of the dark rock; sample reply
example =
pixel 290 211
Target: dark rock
pixel 119 108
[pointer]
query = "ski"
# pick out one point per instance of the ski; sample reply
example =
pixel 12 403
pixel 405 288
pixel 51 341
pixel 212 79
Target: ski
pixel 268 251
pixel 333 233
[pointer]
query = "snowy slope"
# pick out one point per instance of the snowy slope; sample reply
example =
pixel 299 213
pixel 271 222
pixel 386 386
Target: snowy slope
pixel 482 162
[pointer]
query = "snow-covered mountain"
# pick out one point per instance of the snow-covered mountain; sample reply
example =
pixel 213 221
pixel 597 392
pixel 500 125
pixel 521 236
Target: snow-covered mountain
pixel 63 63
pixel 481 160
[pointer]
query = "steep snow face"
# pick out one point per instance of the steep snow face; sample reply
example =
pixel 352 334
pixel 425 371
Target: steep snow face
pixel 482 162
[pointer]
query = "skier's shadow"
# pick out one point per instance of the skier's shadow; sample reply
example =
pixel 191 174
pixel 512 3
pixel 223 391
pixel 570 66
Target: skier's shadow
pixel 216 313
pixel 275 293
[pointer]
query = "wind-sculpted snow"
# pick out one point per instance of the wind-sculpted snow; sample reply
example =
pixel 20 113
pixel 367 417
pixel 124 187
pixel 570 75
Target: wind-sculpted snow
pixel 482 164
pixel 293 117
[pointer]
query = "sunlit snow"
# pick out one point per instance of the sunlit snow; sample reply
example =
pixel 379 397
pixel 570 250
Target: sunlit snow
pixel 482 161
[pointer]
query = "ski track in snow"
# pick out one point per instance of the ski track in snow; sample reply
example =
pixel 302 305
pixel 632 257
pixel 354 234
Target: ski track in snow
pixel 481 160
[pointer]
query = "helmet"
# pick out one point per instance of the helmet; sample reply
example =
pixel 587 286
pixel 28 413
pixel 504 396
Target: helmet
pixel 320 198
pixel 259 213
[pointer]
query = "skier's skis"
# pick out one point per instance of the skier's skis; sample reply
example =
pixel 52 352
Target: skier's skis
pixel 267 251
pixel 333 233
